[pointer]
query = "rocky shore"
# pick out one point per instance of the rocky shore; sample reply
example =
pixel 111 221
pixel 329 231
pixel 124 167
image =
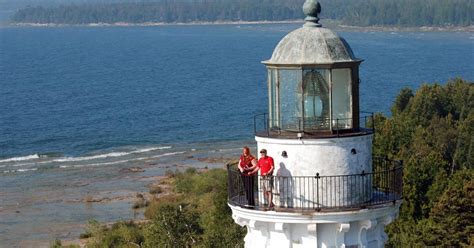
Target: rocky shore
pixel 60 204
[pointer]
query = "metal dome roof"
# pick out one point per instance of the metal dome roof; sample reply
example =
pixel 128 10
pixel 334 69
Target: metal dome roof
pixel 311 45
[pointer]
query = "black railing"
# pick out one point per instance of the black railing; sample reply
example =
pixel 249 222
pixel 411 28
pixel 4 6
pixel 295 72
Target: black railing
pixel 266 126
pixel 324 193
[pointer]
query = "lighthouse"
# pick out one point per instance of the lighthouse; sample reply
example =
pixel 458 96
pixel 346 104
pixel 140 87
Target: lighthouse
pixel 328 189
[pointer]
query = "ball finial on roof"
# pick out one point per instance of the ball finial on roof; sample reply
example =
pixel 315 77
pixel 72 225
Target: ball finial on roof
pixel 311 8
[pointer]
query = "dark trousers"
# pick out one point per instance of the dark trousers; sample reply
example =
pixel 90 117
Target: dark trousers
pixel 249 189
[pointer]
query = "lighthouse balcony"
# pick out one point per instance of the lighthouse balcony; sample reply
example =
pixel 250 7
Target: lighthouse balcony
pixel 312 127
pixel 320 193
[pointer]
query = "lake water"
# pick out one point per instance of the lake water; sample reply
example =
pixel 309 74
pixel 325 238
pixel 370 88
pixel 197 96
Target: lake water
pixel 82 101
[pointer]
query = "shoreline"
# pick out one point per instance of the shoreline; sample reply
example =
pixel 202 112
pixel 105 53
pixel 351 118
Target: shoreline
pixel 167 188
pixel 108 193
pixel 333 24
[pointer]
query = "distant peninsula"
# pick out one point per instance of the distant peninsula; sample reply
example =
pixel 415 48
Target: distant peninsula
pixel 362 13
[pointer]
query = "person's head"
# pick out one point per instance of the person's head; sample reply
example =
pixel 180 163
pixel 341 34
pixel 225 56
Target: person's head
pixel 263 152
pixel 246 151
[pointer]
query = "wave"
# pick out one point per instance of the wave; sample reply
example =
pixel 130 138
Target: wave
pixel 86 158
pixel 107 155
pixel 110 155
pixel 152 149
pixel 24 158
pixel 20 170
pixel 32 157
pixel 75 159
pixel 166 154
pixel 120 161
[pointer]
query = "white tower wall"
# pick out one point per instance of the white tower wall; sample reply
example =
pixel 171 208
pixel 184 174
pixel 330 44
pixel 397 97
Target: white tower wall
pixel 328 157
pixel 361 228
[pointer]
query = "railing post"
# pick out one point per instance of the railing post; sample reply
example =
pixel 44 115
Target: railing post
pixel 318 206
pixel 363 188
pixel 337 126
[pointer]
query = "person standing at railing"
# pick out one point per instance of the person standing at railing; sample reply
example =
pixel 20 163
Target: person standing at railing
pixel 248 168
pixel 266 166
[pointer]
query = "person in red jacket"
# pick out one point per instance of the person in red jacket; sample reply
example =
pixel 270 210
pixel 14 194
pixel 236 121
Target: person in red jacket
pixel 248 168
pixel 266 166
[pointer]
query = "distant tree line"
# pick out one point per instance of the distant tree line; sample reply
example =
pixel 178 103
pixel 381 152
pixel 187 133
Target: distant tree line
pixel 163 11
pixel 354 12
pixel 410 12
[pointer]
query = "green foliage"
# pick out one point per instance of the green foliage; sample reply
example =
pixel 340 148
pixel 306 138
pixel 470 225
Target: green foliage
pixel 174 225
pixel 454 212
pixel 429 101
pixel 354 12
pixel 464 154
pixel 209 191
pixel 121 235
pixel 432 132
pixel 196 216
pixel 220 229
pixel 402 100
pixel 450 221
pixel 410 12
pixel 57 244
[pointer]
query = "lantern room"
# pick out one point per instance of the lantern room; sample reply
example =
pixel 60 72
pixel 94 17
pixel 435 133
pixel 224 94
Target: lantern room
pixel 313 81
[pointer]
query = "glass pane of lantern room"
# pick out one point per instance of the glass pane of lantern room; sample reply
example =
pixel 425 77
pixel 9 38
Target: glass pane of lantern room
pixel 273 98
pixel 290 101
pixel 341 99
pixel 316 99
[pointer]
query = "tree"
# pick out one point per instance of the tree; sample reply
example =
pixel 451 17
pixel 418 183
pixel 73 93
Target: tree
pixel 174 225
pixel 402 100
pixel 454 212
pixel 432 132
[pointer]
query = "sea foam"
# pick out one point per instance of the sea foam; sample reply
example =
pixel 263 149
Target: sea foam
pixel 119 161
pixel 110 155
pixel 75 159
pixel 23 158
pixel 20 170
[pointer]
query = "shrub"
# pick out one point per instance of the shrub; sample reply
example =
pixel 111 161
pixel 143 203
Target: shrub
pixel 121 234
pixel 174 225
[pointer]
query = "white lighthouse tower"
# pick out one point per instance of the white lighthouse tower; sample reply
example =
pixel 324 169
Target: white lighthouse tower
pixel 328 189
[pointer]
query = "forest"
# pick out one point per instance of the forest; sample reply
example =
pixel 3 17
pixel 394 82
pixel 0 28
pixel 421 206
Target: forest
pixel 431 130
pixel 411 13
